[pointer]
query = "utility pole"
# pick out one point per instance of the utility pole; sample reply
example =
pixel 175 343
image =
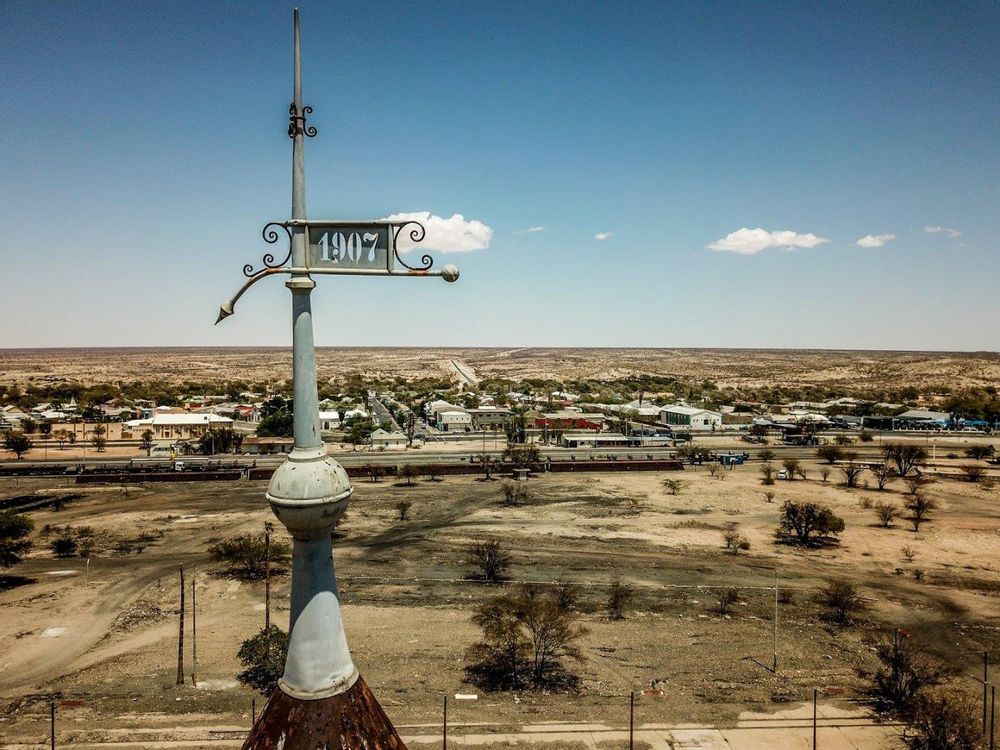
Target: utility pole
pixel 180 633
pixel 267 578
pixel 444 726
pixel 194 634
pixel 774 639
pixel 815 699
pixel 986 683
pixel 631 720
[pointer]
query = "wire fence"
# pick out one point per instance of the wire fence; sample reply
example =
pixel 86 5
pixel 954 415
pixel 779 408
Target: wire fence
pixel 640 718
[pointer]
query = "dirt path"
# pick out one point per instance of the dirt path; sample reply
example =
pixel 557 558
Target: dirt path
pixel 838 727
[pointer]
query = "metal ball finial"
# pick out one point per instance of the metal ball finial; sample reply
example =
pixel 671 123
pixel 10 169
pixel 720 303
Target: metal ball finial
pixel 449 273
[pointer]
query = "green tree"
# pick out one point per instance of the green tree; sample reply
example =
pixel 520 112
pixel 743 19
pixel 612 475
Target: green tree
pixel 17 443
pixel 146 441
pixel 247 555
pixel 808 524
pixel 64 546
pixel 263 659
pixel 944 719
pixel 45 429
pixel 28 426
pixel 358 429
pixel 906 456
pixel 278 424
pixel 14 543
pixel 527 637
pixel 901 674
pixel 829 453
pixel 492 559
pixel 619 596
pixel 842 600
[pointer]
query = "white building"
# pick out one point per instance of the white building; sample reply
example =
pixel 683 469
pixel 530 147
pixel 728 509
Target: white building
pixel 454 421
pixel 690 417
pixel 383 439
pixel 173 426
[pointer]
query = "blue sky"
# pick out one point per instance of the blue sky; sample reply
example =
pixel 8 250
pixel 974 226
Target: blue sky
pixel 142 147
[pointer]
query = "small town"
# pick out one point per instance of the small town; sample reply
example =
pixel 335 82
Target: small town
pixel 499 375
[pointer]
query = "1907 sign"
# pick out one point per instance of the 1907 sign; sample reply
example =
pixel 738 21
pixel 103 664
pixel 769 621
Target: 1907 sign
pixel 342 245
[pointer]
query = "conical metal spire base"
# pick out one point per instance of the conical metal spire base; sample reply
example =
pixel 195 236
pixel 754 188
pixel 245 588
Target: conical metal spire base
pixel 352 720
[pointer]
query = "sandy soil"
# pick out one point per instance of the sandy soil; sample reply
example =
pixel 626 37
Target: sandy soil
pixel 836 370
pixel 108 637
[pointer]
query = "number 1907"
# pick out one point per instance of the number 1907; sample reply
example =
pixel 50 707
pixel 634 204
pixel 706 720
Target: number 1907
pixel 337 246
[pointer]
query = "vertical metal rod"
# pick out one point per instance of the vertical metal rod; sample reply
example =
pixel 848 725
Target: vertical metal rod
pixel 180 633
pixel 631 720
pixel 815 698
pixel 267 577
pixel 444 726
pixel 774 639
pixel 52 724
pixel 194 634
pixel 986 682
pixel 253 711
pixel 993 716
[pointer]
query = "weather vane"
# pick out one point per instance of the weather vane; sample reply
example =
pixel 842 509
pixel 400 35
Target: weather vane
pixel 321 700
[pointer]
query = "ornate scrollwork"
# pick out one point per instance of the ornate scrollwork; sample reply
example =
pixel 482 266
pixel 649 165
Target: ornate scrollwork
pixel 417 234
pixel 297 122
pixel 270 235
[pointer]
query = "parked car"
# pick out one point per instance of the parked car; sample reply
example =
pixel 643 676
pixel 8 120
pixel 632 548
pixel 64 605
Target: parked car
pixel 782 474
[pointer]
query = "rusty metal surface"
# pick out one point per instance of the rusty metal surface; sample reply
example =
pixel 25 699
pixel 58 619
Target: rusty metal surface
pixel 353 720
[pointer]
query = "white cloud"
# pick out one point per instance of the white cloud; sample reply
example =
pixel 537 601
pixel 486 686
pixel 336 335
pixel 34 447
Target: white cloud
pixel 600 236
pixel 454 235
pixel 529 230
pixel 876 240
pixel 950 231
pixel 747 241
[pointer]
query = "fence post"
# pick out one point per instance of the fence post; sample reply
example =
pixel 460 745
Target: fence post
pixel 194 634
pixel 815 697
pixel 444 726
pixel 993 716
pixel 631 718
pixel 52 724
pixel 774 640
pixel 180 633
pixel 986 680
pixel 267 577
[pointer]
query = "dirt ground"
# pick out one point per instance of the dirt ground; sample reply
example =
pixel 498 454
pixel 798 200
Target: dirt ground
pixel 104 637
pixel 834 370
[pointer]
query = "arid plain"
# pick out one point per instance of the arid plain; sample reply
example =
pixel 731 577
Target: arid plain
pixel 725 367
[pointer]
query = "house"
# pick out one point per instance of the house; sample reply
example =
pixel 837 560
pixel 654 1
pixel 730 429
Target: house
pixel 690 417
pixel 330 420
pixel 599 440
pixel 382 439
pixel 434 409
pixel 179 426
pixel 566 419
pixel 485 417
pixel 265 446
pixel 246 413
pixel 454 421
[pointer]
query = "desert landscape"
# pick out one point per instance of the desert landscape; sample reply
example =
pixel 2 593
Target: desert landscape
pixel 101 637
pixel 831 370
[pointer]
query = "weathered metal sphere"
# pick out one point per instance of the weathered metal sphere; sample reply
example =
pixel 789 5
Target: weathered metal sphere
pixel 309 497
pixel 449 273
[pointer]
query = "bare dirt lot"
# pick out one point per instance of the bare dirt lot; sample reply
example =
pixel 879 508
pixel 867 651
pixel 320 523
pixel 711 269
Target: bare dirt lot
pixel 105 639
pixel 873 370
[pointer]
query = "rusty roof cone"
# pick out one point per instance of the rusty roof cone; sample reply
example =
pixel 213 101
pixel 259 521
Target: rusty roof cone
pixel 347 721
